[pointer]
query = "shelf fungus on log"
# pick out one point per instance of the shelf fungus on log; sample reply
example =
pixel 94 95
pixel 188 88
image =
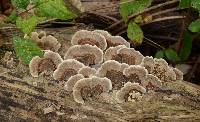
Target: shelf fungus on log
pixel 130 56
pixel 163 71
pixel 111 53
pixel 131 92
pixel 113 70
pixel 113 41
pixel 67 69
pixel 179 74
pixel 45 42
pixel 71 81
pixel 90 88
pixel 148 63
pixel 87 71
pixel 151 82
pixel 135 74
pixel 83 37
pixel 87 54
pixel 46 65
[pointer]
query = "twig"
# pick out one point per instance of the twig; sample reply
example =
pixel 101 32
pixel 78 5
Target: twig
pixel 146 10
pixel 149 41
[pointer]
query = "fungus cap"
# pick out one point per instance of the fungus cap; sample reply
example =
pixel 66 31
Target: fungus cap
pixel 72 81
pixel 87 71
pixel 87 54
pixel 123 94
pixel 111 53
pixel 179 74
pixel 50 61
pixel 151 82
pixel 93 86
pixel 113 41
pixel 50 43
pixel 67 69
pixel 87 37
pixel 148 63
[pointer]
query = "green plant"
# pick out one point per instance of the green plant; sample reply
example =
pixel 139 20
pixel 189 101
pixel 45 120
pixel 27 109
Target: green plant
pixel 27 20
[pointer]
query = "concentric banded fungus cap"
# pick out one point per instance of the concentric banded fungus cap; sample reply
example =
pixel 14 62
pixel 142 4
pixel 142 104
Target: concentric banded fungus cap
pixel 160 67
pixel 135 73
pixel 87 37
pixel 87 71
pixel 130 56
pixel 45 65
pixel 151 82
pixel 148 63
pixel 87 54
pixel 50 43
pixel 179 74
pixel 113 70
pixel 88 88
pixel 72 80
pixel 111 53
pixel 36 37
pixel 170 75
pixel 113 41
pixel 67 69
pixel 130 92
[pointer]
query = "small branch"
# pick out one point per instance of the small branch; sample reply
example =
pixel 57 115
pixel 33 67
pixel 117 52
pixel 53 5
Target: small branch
pixel 150 42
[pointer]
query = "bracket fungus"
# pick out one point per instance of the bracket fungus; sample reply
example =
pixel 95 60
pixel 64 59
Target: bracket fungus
pixel 87 54
pixel 87 71
pixel 131 92
pixel 113 70
pixel 67 69
pixel 83 37
pixel 151 82
pixel 113 41
pixel 88 88
pixel 179 74
pixel 45 65
pixel 111 53
pixel 135 73
pixel 72 81
pixel 148 63
pixel 45 42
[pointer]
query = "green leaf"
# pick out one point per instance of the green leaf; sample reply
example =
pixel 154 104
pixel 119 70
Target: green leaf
pixel 184 4
pixel 128 7
pixel 138 19
pixel 135 33
pixel 196 4
pixel 27 25
pixel 187 46
pixel 159 54
pixel 13 16
pixel 171 55
pixel 54 9
pixel 195 26
pixel 21 3
pixel 26 49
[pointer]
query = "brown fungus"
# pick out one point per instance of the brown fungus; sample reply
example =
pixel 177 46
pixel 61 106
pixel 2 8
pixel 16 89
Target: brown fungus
pixel 46 65
pixel 131 92
pixel 87 71
pixel 130 56
pixel 179 74
pixel 113 70
pixel 87 54
pixel 148 63
pixel 111 53
pixel 135 73
pixel 151 82
pixel 72 80
pixel 87 37
pixel 67 69
pixel 89 88
pixel 113 41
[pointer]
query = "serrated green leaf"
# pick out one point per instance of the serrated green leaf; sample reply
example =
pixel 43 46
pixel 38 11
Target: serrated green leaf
pixel 159 54
pixel 21 3
pixel 187 46
pixel 128 7
pixel 27 25
pixel 135 33
pixel 184 4
pixel 195 26
pixel 26 49
pixel 196 4
pixel 13 16
pixel 171 55
pixel 54 9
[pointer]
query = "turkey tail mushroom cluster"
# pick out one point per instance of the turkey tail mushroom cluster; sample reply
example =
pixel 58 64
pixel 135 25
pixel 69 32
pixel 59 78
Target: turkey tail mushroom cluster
pixel 117 67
